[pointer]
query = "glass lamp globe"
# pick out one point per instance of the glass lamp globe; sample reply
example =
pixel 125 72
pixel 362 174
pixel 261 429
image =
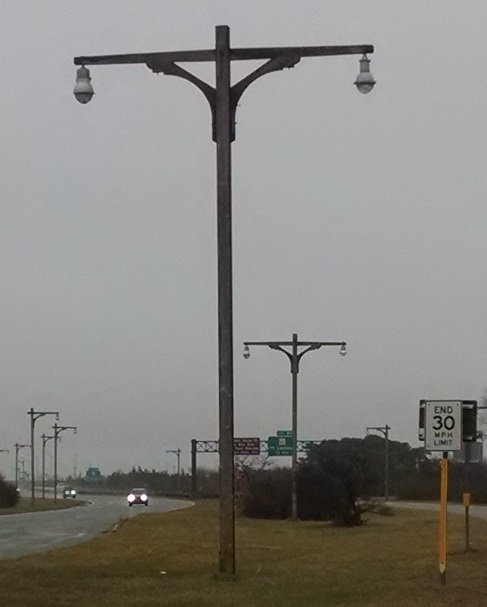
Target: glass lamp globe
pixel 365 81
pixel 83 90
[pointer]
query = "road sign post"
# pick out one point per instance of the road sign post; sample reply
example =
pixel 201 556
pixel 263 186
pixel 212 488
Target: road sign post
pixel 446 425
pixel 466 505
pixel 443 515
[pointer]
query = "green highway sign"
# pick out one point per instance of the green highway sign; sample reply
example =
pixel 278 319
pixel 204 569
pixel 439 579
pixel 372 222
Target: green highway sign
pixel 280 445
pixel 284 433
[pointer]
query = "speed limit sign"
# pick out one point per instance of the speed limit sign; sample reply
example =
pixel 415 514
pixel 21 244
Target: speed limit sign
pixel 443 425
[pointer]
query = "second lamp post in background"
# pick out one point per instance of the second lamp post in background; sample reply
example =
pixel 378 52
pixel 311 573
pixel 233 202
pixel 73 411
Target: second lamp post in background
pixel 45 439
pixel 18 447
pixel 57 430
pixel 385 431
pixel 295 357
pixel 34 416
pixel 177 452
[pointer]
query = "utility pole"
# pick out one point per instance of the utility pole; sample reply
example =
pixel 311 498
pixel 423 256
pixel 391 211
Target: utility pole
pixel 17 449
pixel 177 452
pixel 34 416
pixel 44 441
pixel 295 356
pixel 223 99
pixel 57 431
pixel 385 431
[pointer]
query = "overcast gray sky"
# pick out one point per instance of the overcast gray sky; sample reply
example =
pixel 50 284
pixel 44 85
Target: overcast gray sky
pixel 356 218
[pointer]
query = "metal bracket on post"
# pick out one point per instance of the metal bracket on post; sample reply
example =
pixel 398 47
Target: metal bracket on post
pixel 172 69
pixel 236 91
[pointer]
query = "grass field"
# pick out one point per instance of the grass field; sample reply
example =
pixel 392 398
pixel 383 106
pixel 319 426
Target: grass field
pixel 171 560
pixel 25 505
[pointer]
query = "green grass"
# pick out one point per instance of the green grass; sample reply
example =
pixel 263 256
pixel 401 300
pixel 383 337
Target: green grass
pixel 25 505
pixel 171 560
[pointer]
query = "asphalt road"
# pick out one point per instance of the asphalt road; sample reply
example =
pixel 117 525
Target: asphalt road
pixel 477 511
pixel 22 534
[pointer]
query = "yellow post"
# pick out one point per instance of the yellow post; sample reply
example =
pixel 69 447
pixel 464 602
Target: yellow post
pixel 443 508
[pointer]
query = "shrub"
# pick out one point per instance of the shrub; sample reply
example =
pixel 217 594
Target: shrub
pixel 330 482
pixel 8 494
pixel 326 492
pixel 267 494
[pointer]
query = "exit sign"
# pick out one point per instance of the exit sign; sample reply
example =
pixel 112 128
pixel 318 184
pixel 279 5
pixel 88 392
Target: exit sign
pixel 280 445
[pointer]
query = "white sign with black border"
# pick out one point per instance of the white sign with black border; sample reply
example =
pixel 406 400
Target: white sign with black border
pixel 443 425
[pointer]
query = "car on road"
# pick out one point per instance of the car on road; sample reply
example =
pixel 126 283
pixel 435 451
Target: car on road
pixel 138 496
pixel 69 492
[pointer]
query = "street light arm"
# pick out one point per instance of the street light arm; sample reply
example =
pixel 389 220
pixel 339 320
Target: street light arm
pixel 383 429
pixel 309 345
pixel 36 414
pixel 299 51
pixel 162 57
pixel 299 343
pixel 277 58
pixel 236 54
pixel 59 429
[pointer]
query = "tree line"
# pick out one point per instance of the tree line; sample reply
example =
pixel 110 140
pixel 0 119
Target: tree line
pixel 337 480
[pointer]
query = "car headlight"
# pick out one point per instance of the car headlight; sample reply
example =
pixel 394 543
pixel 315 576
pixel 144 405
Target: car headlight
pixel 143 497
pixel 131 497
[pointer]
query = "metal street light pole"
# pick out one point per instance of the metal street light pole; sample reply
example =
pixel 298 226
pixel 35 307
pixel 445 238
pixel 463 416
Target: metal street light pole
pixel 295 357
pixel 177 452
pixel 223 99
pixel 17 449
pixel 34 416
pixel 385 431
pixel 22 463
pixel 44 441
pixel 57 431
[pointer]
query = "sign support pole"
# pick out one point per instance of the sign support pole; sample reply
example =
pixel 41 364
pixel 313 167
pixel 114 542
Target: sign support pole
pixel 443 513
pixel 466 504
